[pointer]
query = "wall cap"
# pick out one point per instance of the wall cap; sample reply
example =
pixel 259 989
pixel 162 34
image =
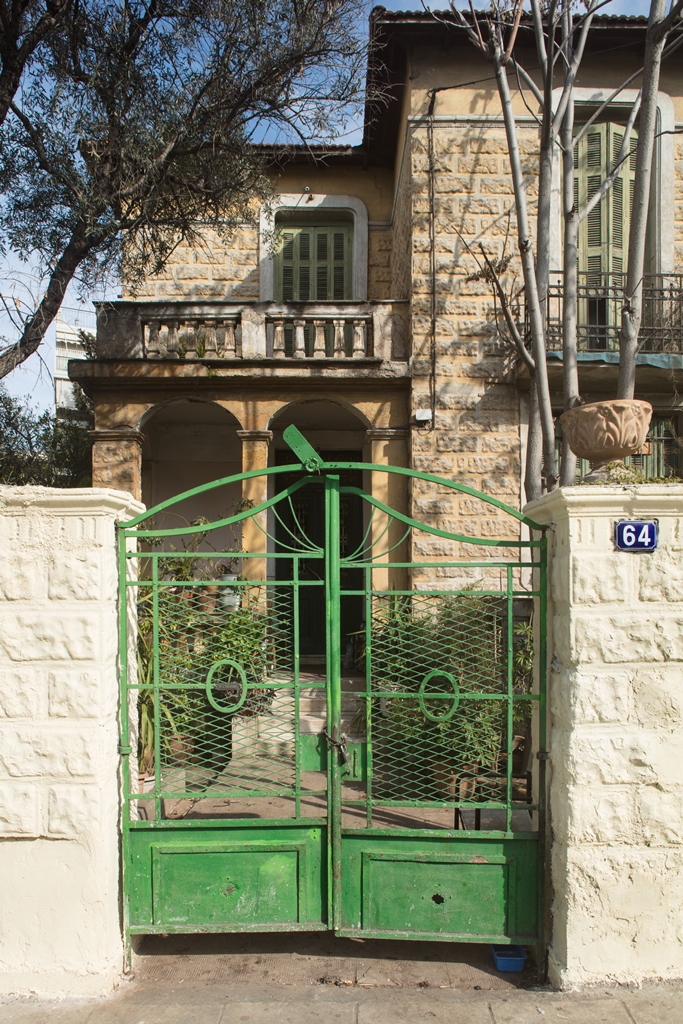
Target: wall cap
pixel 73 500
pixel 607 500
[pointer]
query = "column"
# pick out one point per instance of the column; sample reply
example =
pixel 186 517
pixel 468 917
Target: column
pixel 117 459
pixel 255 456
pixel 389 447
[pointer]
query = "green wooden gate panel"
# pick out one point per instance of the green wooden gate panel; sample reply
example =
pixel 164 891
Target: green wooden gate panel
pixel 460 890
pixel 225 880
pixel 380 782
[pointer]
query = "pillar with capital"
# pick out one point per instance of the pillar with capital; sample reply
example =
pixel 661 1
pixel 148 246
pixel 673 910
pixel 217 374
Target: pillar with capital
pixel 255 490
pixel 117 459
pixel 389 447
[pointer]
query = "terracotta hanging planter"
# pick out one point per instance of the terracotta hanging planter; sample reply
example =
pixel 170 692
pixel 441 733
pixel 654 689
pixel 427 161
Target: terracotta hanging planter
pixel 603 432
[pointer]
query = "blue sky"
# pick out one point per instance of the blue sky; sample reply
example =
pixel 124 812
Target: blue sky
pixel 33 381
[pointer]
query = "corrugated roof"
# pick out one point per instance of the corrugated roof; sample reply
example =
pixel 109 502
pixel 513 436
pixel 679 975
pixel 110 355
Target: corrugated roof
pixel 611 20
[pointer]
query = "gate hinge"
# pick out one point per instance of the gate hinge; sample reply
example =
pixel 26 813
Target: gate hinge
pixel 125 749
pixel 543 755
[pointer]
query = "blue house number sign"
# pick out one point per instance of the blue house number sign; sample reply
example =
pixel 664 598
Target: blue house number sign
pixel 636 534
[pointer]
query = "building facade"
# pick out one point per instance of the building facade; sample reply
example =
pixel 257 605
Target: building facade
pixel 362 323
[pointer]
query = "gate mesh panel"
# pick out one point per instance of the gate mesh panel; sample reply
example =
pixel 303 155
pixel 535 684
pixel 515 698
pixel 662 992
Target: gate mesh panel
pixel 439 666
pixel 225 704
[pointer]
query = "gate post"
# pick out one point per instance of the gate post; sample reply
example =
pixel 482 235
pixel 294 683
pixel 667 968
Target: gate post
pixel 59 740
pixel 255 456
pixel 615 651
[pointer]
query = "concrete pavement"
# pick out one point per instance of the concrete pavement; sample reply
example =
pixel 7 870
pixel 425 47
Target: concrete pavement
pixel 305 979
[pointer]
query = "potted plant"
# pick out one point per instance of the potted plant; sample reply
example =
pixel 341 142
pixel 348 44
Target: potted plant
pixel 435 651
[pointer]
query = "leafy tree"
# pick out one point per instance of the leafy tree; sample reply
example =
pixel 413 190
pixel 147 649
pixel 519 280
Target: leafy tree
pixel 135 124
pixel 38 448
pixel 24 25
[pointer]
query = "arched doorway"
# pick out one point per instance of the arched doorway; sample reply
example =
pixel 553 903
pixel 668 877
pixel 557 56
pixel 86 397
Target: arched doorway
pixel 338 434
pixel 187 444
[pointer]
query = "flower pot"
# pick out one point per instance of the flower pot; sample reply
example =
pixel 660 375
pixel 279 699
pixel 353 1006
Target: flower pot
pixel 603 432
pixel 206 599
pixel 452 786
pixel 181 748
pixel 230 596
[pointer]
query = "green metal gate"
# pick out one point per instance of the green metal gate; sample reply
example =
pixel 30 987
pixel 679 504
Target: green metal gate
pixel 389 785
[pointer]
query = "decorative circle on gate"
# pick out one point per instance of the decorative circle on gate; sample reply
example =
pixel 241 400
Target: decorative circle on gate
pixel 228 686
pixel 423 696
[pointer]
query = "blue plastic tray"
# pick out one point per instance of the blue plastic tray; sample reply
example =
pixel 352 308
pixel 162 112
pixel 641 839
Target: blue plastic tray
pixel 509 958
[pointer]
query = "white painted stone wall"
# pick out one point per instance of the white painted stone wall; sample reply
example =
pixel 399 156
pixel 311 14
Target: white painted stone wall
pixel 616 737
pixel 59 788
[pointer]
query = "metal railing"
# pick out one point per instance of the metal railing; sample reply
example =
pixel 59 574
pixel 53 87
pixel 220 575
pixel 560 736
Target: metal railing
pixel 600 302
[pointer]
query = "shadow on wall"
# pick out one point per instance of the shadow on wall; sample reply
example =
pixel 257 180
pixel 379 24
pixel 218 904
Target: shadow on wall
pixel 187 444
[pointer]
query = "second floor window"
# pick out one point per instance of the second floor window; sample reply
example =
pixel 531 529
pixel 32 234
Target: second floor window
pixel 313 263
pixel 603 234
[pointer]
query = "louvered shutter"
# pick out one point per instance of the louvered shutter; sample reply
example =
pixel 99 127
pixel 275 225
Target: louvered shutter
pixel 603 235
pixel 313 263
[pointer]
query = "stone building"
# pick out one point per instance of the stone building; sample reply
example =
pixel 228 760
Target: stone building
pixel 363 326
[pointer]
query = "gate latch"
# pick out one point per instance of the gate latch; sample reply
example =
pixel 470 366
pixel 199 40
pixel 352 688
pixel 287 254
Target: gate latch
pixel 340 745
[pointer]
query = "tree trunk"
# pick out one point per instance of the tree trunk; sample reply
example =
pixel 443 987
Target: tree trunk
pixel 529 273
pixel 534 449
pixel 632 311
pixel 78 247
pixel 570 368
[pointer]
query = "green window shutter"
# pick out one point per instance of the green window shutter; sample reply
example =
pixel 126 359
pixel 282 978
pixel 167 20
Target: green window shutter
pixel 313 263
pixel 603 234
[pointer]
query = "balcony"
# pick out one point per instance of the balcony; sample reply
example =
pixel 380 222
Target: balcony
pixel 340 333
pixel 601 299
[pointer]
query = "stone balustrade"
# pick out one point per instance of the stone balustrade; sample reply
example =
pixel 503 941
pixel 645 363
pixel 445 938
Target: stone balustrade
pixel 194 331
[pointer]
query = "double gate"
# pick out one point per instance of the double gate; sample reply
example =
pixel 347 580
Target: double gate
pixel 333 714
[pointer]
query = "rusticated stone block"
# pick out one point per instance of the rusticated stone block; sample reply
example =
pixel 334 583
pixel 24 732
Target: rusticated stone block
pixel 74 578
pixel 658 696
pixel 610 755
pixel 49 637
pixel 72 811
pixel 21 580
pixel 41 752
pixel 601 578
pixel 628 638
pixel 19 811
pixel 23 693
pixel 456 443
pixel 661 575
pixel 602 814
pixel 75 694
pixel 660 811
pixel 605 697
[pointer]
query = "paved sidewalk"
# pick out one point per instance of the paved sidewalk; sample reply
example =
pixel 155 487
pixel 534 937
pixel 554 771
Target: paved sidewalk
pixel 145 1004
pixel 308 979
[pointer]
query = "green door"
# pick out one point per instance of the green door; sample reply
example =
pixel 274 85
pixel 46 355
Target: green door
pixel 330 711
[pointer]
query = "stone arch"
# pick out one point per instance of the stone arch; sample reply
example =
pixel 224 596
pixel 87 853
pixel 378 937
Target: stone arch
pixel 189 442
pixel 334 417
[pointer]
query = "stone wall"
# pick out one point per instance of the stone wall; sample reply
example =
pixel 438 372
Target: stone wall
pixel 476 434
pixel 616 737
pixel 59 788
pixel 221 269
pixel 227 269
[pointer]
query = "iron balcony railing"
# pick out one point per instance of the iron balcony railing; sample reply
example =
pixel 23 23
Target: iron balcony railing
pixel 601 300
